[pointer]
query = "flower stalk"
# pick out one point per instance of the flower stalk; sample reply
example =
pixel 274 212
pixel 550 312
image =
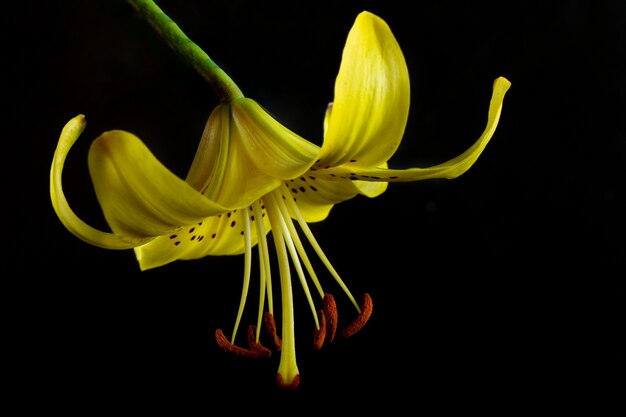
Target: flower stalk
pixel 223 86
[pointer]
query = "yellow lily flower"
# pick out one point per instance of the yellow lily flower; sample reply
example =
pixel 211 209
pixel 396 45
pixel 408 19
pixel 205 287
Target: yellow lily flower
pixel 252 175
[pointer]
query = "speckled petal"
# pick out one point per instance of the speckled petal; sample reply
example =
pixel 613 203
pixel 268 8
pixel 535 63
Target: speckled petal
pixel 138 195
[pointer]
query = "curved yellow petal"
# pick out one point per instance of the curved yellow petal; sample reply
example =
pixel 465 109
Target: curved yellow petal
pixel 274 149
pixel 138 195
pixel 315 196
pixel 449 169
pixel 372 95
pixel 73 223
pixel 217 235
pixel 371 188
pixel 223 168
pixel 244 154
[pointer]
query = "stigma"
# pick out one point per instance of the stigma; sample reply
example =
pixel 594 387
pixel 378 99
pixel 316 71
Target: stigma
pixel 287 225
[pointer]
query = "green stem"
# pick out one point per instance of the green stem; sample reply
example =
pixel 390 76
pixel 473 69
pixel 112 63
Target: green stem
pixel 222 84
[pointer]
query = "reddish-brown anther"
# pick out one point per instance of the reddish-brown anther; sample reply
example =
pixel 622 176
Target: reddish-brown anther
pixel 270 327
pixel 330 311
pixel 361 319
pixel 225 345
pixel 254 345
pixel 320 334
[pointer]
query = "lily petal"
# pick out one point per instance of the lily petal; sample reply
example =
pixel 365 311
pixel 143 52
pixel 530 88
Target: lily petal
pixel 371 188
pixel 315 196
pixel 70 220
pixel 449 169
pixel 217 235
pixel 244 154
pixel 138 195
pixel 274 149
pixel 372 95
pixel 223 169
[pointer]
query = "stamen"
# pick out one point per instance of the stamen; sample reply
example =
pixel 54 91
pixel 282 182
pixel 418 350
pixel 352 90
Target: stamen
pixel 330 314
pixel 256 346
pixel 289 235
pixel 298 243
pixel 270 327
pixel 246 272
pixel 361 319
pixel 320 334
pixel 318 249
pixel 265 284
pixel 225 345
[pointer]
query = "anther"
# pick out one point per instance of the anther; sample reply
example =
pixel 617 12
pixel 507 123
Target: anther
pixel 330 313
pixel 361 319
pixel 225 345
pixel 320 334
pixel 270 328
pixel 254 345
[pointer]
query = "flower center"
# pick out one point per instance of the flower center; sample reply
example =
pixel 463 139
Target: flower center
pixel 282 210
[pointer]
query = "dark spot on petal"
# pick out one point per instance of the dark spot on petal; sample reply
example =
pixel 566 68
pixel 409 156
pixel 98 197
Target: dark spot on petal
pixel 177 243
pixel 213 236
pixel 293 190
pixel 232 224
pixel 313 178
pixel 173 236
pixel 252 217
pixel 313 188
pixel 193 237
pixel 229 214
pixel 200 238
pixel 353 160
pixel 192 229
pixel 302 189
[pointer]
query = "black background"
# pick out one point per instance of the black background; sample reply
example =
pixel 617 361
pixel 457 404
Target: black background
pixel 494 291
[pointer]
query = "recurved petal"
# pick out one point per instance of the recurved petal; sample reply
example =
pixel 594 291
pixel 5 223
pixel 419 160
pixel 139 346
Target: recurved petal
pixel 138 195
pixel 70 220
pixel 217 235
pixel 224 168
pixel 372 188
pixel 372 94
pixel 273 148
pixel 449 169
pixel 315 196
